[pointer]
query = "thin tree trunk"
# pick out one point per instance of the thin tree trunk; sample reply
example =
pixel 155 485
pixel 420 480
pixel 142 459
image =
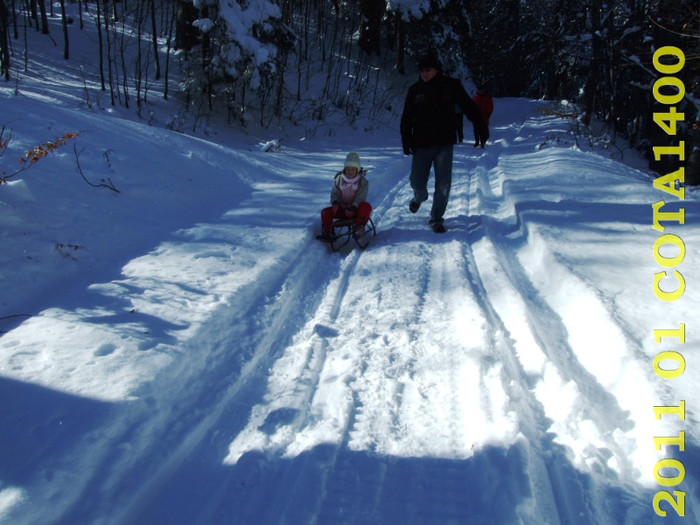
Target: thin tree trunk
pixel 44 18
pixel 98 24
pixel 167 53
pixel 590 100
pixel 64 23
pixel 110 75
pixel 4 41
pixel 154 35
pixel 400 43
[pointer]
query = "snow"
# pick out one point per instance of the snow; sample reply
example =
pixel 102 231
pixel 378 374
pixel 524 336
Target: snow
pixel 184 351
pixel 415 8
pixel 240 24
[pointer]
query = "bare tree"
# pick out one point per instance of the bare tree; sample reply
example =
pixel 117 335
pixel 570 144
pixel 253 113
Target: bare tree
pixel 44 17
pixel 154 37
pixel 108 51
pixel 171 28
pixel 64 23
pixel 371 25
pixel 4 41
pixel 100 47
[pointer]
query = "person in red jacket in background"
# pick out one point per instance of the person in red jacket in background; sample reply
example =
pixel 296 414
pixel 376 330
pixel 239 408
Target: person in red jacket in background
pixel 484 102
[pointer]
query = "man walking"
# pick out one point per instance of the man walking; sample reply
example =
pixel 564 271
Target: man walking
pixel 428 133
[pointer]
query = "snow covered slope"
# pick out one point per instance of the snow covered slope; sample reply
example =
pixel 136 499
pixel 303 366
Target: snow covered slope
pixel 184 351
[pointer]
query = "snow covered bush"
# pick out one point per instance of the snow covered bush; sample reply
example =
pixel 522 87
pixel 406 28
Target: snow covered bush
pixel 240 43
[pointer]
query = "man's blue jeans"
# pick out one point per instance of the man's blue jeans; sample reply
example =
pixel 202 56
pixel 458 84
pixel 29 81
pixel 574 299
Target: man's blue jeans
pixel 440 157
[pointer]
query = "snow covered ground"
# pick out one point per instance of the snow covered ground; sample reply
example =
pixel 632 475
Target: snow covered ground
pixel 184 351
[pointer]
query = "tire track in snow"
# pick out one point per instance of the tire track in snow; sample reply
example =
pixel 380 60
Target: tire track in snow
pixel 477 201
pixel 393 381
pixel 276 316
pixel 189 399
pixel 401 394
pixel 294 376
pixel 397 390
pixel 373 362
pixel 535 341
pixel 375 381
pixel 311 381
pixel 221 366
pixel 343 380
pixel 528 338
pixel 413 390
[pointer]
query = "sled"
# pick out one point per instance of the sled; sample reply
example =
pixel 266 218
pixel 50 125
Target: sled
pixel 343 230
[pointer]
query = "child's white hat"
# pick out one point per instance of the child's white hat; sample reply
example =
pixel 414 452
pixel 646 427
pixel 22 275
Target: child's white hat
pixel 353 161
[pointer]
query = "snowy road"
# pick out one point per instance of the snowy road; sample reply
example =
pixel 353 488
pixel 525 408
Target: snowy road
pixel 240 373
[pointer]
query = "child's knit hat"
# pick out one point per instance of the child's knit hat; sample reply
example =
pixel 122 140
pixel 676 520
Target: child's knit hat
pixel 353 161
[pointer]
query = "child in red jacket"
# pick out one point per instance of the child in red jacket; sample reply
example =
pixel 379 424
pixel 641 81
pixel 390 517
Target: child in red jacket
pixel 485 104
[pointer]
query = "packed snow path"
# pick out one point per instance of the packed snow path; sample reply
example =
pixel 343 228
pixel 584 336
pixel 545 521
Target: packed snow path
pixel 240 373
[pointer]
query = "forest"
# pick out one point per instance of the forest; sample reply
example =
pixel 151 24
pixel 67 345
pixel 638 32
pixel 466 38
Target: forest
pixel 275 62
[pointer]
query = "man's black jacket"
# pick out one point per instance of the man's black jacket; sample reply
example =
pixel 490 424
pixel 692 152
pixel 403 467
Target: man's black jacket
pixel 428 117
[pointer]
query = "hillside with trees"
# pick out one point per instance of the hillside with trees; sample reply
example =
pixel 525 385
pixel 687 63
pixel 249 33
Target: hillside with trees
pixel 314 62
pixel 177 347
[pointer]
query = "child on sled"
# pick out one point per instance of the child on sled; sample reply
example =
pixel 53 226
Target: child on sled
pixel 348 196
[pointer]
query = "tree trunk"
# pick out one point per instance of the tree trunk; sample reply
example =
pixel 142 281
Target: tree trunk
pixel 171 29
pixel 14 21
pixel 44 18
pixel 98 25
pixel 108 54
pixel 592 87
pixel 4 41
pixel 400 43
pixel 64 23
pixel 186 35
pixel 154 36
pixel 371 25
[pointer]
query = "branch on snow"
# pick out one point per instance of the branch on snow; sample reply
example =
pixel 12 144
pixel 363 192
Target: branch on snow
pixel 33 156
pixel 104 184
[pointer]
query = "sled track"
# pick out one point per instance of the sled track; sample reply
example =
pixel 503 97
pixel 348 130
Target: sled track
pixel 506 288
pixel 250 338
pixel 222 371
pixel 312 391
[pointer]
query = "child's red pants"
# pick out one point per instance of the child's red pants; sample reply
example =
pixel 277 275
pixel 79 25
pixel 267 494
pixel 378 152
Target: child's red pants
pixel 361 216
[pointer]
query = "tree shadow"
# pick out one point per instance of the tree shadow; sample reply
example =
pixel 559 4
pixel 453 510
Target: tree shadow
pixel 334 485
pixel 525 483
pixel 37 425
